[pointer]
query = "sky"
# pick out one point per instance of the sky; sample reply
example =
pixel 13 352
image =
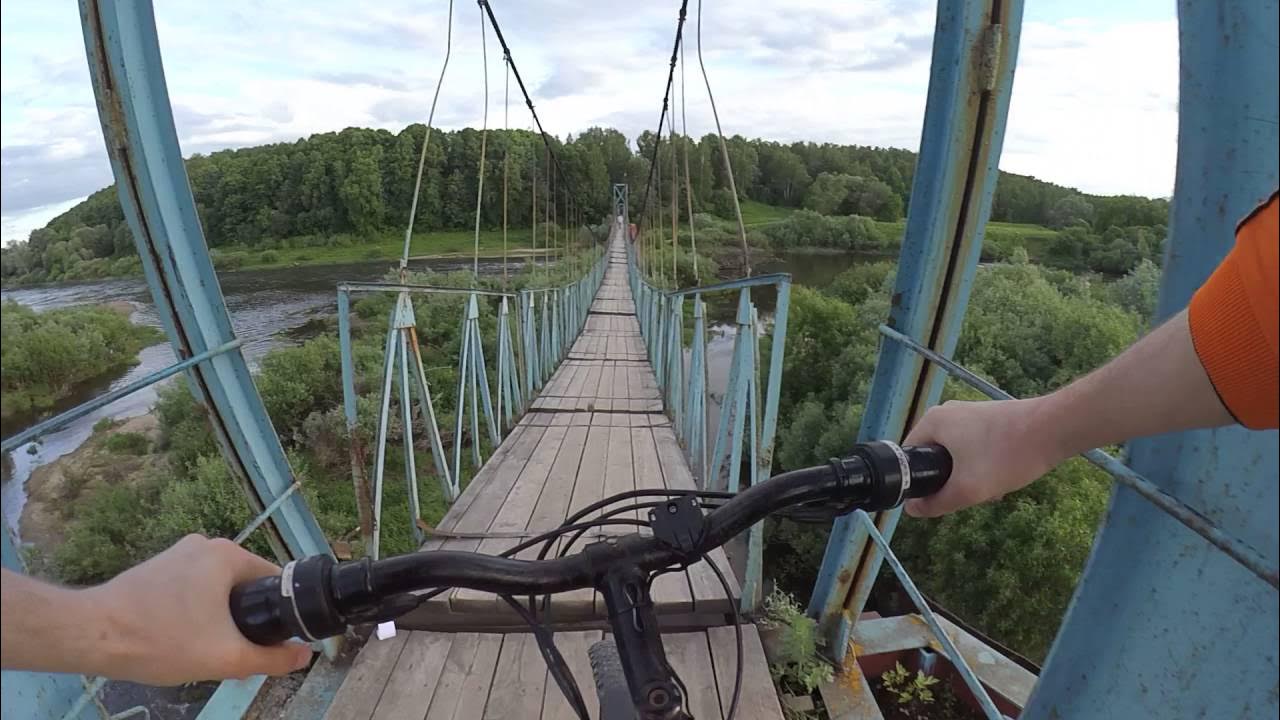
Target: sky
pixel 1094 101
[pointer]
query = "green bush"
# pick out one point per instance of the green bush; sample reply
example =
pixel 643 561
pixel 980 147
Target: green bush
pixel 127 443
pixel 44 356
pixel 795 664
pixel 266 257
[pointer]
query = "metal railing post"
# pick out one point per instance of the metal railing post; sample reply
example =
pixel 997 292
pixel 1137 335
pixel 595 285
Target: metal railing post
pixel 974 53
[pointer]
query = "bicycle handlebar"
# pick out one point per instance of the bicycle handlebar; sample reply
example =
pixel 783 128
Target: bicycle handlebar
pixel 317 597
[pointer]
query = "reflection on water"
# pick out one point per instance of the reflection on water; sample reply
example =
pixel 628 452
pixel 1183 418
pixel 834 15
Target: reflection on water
pixel 263 305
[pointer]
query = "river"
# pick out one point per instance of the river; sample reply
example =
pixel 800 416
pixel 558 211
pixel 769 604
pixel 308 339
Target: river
pixel 265 305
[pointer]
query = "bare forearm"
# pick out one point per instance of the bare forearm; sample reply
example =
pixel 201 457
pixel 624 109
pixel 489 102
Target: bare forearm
pixel 53 629
pixel 164 622
pixel 1156 386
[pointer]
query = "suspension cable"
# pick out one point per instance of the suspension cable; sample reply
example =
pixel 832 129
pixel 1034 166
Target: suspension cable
pixel 533 214
pixel 724 152
pixel 688 181
pixel 666 95
pixel 484 139
pixel 506 157
pixel 528 101
pixel 675 204
pixel 422 157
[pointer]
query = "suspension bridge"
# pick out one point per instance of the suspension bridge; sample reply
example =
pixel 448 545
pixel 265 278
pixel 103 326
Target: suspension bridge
pixel 600 385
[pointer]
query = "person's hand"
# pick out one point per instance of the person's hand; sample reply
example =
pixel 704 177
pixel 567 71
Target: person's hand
pixel 996 447
pixel 169 620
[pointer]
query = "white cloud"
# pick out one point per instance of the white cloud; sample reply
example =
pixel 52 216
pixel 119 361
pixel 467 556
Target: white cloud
pixel 1094 100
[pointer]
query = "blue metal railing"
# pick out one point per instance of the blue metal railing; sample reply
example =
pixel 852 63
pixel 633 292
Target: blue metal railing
pixel 154 192
pixel 748 415
pixel 545 321
pixel 1153 606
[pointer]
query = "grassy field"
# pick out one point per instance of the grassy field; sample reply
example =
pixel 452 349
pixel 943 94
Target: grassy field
pixel 757 213
pixel 388 246
pixel 1035 238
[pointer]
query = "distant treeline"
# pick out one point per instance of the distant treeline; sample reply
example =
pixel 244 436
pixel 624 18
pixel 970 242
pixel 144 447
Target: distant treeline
pixel 359 182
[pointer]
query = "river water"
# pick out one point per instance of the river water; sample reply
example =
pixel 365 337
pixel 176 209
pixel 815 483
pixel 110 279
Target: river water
pixel 264 306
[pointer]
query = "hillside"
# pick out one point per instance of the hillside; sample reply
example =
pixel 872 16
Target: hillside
pixel 353 188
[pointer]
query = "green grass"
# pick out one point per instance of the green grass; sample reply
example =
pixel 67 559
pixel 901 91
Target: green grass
pixel 757 213
pixel 384 246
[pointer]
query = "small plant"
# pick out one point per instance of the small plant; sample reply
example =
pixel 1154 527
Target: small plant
pixel 103 425
pixel 127 443
pixel 796 666
pixel 913 693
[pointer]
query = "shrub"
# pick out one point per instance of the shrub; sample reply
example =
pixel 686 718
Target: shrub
pixel 795 664
pixel 267 257
pixel 127 443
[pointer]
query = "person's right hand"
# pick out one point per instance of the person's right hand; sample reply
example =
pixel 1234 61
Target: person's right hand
pixel 996 447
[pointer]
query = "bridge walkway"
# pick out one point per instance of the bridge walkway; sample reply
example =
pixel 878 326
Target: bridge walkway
pixel 597 428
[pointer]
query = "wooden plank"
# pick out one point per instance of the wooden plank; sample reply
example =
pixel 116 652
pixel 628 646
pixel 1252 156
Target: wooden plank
pixel 513 516
pixel 457 664
pixel 708 594
pixel 498 483
pixel 573 646
pixel 690 657
pixel 604 390
pixel 635 387
pixel 758 699
pixel 670 591
pixel 588 488
pixel 414 679
pixel 553 505
pixel 519 681
pixel 360 692
pixel 474 689
pixel 472 491
pixel 619 476
pixel 848 696
pixel 490 489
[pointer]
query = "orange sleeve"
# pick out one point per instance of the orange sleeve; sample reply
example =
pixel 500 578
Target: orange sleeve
pixel 1233 320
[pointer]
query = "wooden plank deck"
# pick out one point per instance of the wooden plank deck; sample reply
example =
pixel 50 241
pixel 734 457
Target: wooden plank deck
pixel 501 676
pixel 596 428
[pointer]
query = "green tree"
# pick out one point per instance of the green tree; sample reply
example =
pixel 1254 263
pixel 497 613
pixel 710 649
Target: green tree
pixel 1070 210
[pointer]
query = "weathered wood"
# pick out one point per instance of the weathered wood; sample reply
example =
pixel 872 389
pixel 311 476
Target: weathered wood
pixel 412 682
pixel 453 677
pixel 757 700
pixel 360 692
pixel 573 646
pixel 671 590
pixel 690 658
pixel 473 692
pixel 519 680
pixel 513 516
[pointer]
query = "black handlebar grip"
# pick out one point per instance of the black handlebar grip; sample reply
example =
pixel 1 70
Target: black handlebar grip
pixel 262 613
pixel 930 469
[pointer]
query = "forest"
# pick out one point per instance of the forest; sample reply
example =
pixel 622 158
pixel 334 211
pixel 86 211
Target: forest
pixel 354 187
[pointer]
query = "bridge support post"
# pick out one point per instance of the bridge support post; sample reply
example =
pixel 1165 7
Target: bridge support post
pixel 1180 615
pixel 974 54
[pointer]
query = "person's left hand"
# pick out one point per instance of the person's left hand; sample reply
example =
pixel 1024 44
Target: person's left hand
pixel 168 620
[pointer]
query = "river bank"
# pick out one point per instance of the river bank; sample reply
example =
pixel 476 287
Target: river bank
pixel 117 452
pixel 342 250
